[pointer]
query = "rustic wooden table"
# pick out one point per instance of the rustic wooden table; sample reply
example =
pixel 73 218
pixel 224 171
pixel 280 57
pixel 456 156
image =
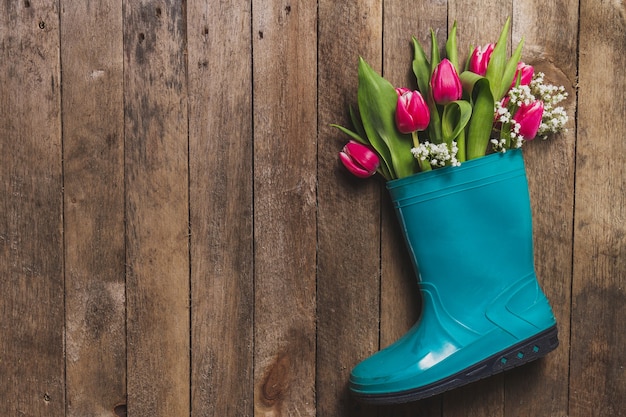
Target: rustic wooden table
pixel 177 237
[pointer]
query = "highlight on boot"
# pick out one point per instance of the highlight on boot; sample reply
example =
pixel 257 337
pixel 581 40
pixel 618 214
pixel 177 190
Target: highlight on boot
pixel 450 154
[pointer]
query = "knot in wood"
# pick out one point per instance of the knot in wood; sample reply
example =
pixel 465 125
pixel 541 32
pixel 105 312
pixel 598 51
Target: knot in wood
pixel 276 381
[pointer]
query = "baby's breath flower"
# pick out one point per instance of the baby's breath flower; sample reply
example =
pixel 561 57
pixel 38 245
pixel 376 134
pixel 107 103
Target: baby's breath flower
pixel 554 116
pixel 438 155
pixel 498 145
pixel 553 119
pixel 521 95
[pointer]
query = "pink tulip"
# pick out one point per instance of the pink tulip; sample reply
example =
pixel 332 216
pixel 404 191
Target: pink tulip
pixel 529 118
pixel 480 59
pixel 412 113
pixel 527 72
pixel 445 83
pixel 359 159
pixel 402 90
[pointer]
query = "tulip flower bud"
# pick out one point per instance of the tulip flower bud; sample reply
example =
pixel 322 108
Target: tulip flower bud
pixel 402 90
pixel 528 116
pixel 359 159
pixel 412 113
pixel 480 59
pixel 527 72
pixel 445 83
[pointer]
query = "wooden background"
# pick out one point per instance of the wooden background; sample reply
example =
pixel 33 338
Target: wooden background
pixel 177 237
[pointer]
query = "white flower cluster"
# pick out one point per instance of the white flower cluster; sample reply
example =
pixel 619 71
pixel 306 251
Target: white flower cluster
pixel 517 96
pixel 438 155
pixel 553 120
pixel 522 94
pixel 554 116
pixel 517 140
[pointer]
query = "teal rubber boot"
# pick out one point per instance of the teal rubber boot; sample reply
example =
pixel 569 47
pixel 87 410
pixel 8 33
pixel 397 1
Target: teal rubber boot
pixel 469 233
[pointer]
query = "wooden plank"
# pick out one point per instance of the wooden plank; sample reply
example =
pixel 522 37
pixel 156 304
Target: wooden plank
pixel 483 398
pixel 349 210
pixel 478 22
pixel 157 241
pixel 93 132
pixel 31 217
pixel 284 100
pixel 597 375
pixel 550 45
pixel 400 297
pixel 220 82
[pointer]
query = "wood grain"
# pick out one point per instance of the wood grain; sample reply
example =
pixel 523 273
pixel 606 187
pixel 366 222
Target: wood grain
pixel 93 153
pixel 597 373
pixel 478 22
pixel 550 45
pixel 349 210
pixel 220 135
pixel 157 213
pixel 31 218
pixel 285 123
pixel 400 296
pixel 175 224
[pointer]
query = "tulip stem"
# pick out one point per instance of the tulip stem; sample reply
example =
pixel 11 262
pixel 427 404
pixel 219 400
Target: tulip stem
pixel 416 142
pixel 506 134
pixel 424 164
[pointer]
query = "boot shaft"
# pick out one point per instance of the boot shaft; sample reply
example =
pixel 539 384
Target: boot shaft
pixel 469 230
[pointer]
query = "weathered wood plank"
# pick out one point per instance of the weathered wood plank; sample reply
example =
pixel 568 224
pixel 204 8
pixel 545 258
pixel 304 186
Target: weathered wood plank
pixel 550 45
pixel 157 241
pixel 478 22
pixel 220 82
pixel 349 210
pixel 285 123
pixel 597 366
pixel 31 218
pixel 400 297
pixel 93 138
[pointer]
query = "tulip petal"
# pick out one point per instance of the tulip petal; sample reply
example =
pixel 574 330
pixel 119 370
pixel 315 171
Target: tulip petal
pixel 363 155
pixel 355 169
pixel 529 118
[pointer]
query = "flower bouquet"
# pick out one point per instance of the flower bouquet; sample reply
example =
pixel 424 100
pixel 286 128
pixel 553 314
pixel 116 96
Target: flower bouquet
pixel 449 151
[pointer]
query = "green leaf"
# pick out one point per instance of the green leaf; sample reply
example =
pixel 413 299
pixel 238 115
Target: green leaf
pixel 434 126
pixel 509 71
pixel 451 49
pixel 467 61
pixel 434 52
pixel 352 134
pixel 377 100
pixel 460 144
pixel 356 122
pixel 497 62
pixel 456 115
pixel 481 123
pixel 421 68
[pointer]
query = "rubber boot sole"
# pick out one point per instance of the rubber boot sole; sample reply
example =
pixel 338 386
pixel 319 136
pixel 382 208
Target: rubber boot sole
pixel 519 354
